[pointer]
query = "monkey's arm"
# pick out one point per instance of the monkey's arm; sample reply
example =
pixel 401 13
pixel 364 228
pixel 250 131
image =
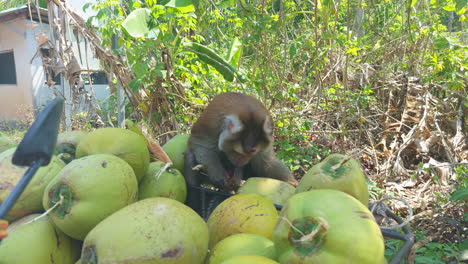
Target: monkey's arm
pixel 192 176
pixel 209 158
pixel 266 164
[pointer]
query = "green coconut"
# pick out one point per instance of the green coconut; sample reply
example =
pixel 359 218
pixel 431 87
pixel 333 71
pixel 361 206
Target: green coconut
pixel 327 226
pixel 38 242
pixel 155 230
pixel 6 143
pixel 175 149
pixel 92 187
pixel 249 259
pixel 168 183
pixel 67 143
pixel 120 142
pixel 242 244
pixel 30 201
pixel 242 213
pixel 275 190
pixel 338 172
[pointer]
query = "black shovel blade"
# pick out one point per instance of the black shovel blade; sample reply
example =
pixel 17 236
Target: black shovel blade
pixel 39 141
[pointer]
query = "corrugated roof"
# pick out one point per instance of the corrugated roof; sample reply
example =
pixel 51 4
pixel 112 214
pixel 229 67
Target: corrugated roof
pixel 12 9
pixel 14 12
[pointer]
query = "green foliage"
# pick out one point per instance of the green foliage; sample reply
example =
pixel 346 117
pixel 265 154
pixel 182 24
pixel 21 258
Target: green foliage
pixel 210 57
pixel 136 23
pixel 430 253
pixel 308 61
pixel 289 54
pixel 437 253
pixel 297 152
pixel 376 192
pixel 392 247
pixel 460 193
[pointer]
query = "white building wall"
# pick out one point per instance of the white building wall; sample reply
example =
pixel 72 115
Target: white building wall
pixel 16 100
pixel 31 91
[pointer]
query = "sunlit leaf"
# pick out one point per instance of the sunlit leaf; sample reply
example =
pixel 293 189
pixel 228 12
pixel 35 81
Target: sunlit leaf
pixel 461 11
pixel 461 4
pixel 460 195
pixel 86 6
pixel 449 7
pixel 353 51
pixel 184 6
pixel 234 52
pixel 136 23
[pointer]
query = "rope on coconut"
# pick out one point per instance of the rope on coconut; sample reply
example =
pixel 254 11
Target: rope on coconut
pixel 322 225
pixel 48 210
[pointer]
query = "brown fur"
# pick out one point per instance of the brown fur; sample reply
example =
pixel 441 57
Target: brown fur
pixel 244 106
pixel 245 153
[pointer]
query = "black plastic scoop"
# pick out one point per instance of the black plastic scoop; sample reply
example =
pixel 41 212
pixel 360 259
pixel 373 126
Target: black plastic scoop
pixel 35 149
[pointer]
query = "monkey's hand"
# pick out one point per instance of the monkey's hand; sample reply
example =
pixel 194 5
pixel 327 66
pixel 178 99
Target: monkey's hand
pixel 208 157
pixel 266 164
pixel 220 178
pixel 233 179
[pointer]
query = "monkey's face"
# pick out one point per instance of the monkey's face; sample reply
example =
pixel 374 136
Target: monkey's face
pixel 241 141
pixel 239 153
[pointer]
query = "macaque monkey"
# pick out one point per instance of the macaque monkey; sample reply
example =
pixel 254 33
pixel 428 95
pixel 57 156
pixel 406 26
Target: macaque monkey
pixel 233 140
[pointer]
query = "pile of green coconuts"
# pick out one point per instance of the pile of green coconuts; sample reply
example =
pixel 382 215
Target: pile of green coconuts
pixel 104 199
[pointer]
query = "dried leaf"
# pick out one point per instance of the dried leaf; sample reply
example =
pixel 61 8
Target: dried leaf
pixel 41 39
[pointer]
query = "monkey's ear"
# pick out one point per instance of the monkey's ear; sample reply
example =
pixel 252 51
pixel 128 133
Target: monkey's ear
pixel 232 124
pixel 267 126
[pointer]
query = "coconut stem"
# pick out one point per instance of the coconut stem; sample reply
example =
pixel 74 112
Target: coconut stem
pixel 162 170
pixel 346 158
pixel 343 161
pixel 322 225
pixel 292 226
pixel 48 210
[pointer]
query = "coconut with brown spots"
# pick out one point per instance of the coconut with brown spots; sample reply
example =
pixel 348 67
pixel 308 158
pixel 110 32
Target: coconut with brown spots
pixel 242 213
pixel 120 142
pixel 242 244
pixel 275 190
pixel 155 230
pixel 90 189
